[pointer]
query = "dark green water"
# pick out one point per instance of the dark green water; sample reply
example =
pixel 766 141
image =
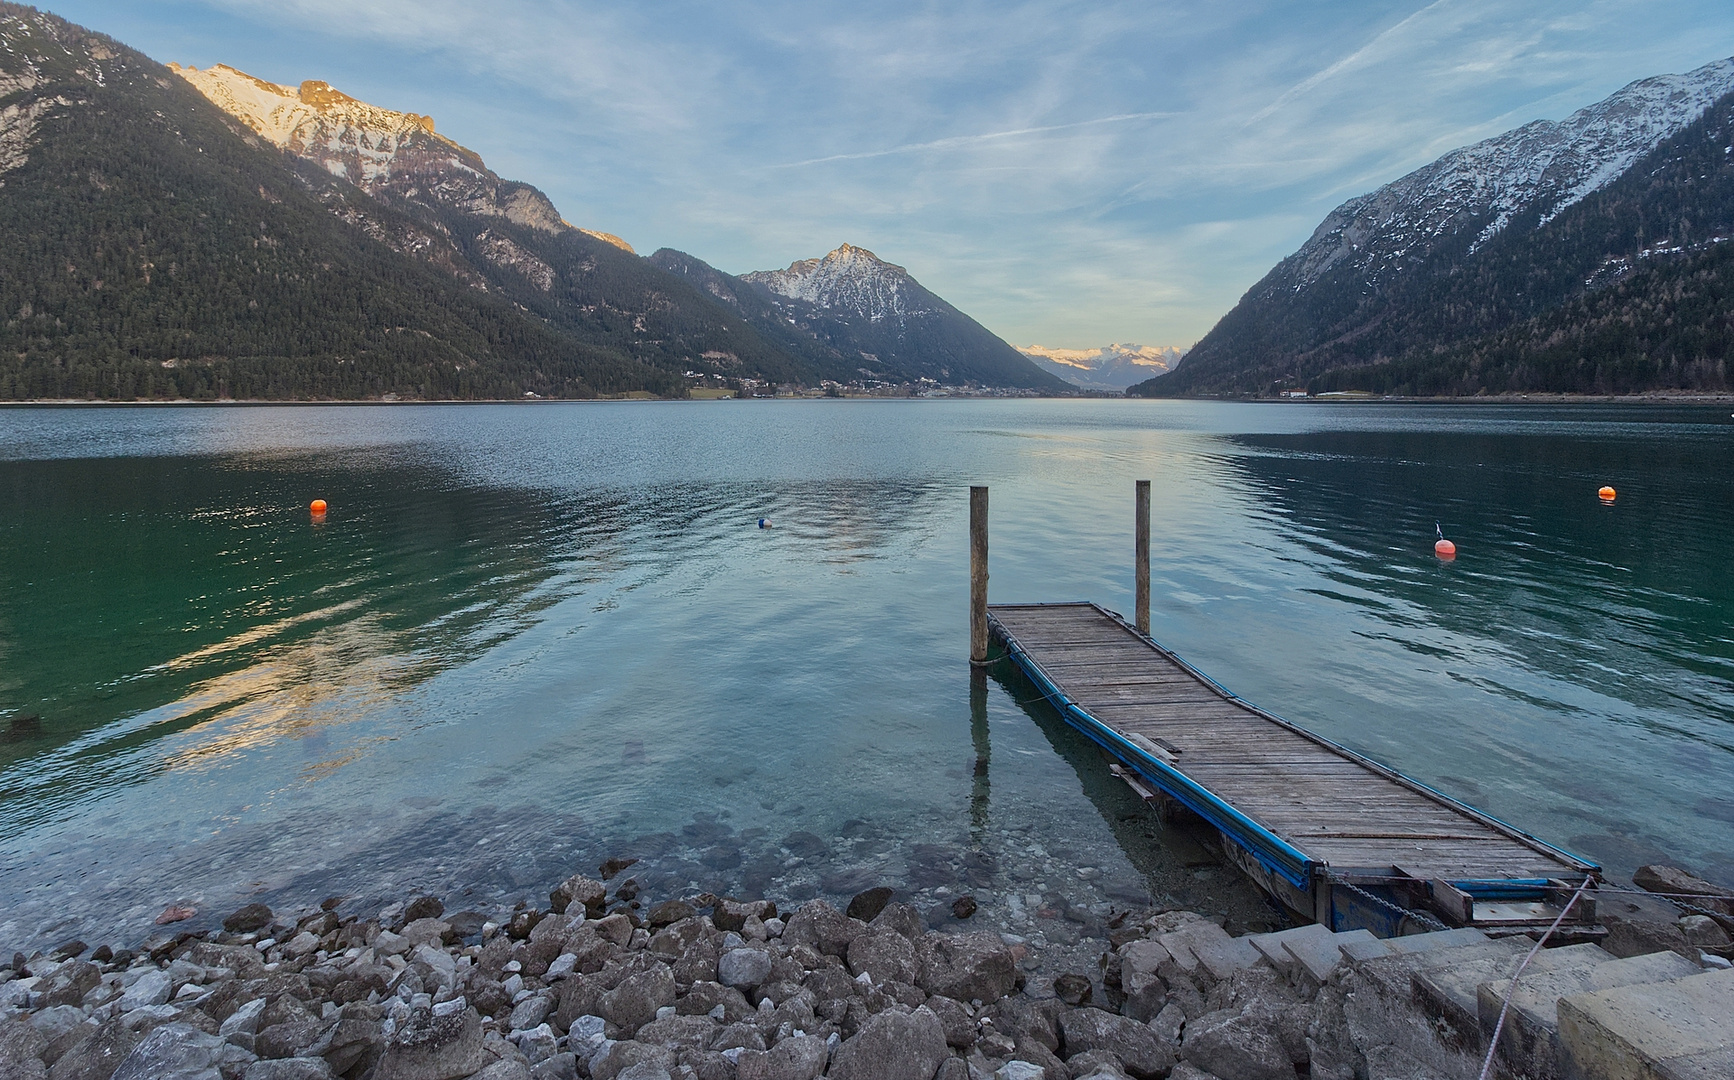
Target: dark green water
pixel 531 637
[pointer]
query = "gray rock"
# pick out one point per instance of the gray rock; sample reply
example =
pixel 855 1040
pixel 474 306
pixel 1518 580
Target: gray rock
pixel 823 927
pixel 1704 932
pixel 953 1069
pixel 644 1070
pixel 177 1052
pixel 288 1069
pixel 587 893
pixel 866 906
pixel 800 1057
pixel 1020 1070
pixel 96 1056
pixel 622 1056
pixel 21 1048
pixel 901 918
pixel 967 967
pixel 892 1046
pixel 1099 1064
pixel 243 1019
pixel 1188 1071
pixel 1139 1050
pixel 531 1011
pixel 152 988
pixel 1229 1044
pixel 559 1067
pixel 743 968
pixel 248 919
pixel 885 956
pixel 428 1047
pixel 504 1069
pixel 1167 1024
pixel 634 1002
pixel 960 1029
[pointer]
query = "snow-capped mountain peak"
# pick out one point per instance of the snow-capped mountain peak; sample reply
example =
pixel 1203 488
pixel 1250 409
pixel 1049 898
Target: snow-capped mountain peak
pixel 360 142
pixel 851 278
pixel 1543 167
pixel 1111 367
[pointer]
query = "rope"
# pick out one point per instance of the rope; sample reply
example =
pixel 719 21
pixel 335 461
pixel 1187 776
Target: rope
pixel 1511 987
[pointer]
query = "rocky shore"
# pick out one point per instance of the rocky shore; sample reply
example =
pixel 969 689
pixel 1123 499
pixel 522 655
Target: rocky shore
pixel 706 988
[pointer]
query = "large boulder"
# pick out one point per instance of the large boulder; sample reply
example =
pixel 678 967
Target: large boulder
pixel 968 967
pixel 634 1002
pixel 622 1056
pixel 97 1055
pixel 800 1057
pixel 587 893
pixel 180 1052
pixel 1672 880
pixel 893 1046
pixel 429 1047
pixel 1143 1054
pixel 823 927
pixel 1228 1043
pixel 884 956
pixel 744 969
pixel 288 1069
pixel 21 1048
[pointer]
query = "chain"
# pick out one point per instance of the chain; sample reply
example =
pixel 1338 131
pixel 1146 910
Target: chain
pixel 1419 916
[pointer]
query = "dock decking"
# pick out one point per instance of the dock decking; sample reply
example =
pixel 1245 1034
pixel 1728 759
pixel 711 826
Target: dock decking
pixel 1332 834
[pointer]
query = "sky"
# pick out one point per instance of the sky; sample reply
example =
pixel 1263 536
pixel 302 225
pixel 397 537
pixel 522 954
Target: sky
pixel 1070 174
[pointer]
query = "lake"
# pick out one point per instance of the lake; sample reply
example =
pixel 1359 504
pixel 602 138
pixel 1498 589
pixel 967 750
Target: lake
pixel 531 637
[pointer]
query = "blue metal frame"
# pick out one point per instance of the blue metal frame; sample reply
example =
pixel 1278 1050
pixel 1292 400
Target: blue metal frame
pixel 1272 852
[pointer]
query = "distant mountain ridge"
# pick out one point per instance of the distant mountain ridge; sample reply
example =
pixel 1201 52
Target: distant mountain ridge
pixel 1109 368
pixel 877 321
pixel 178 233
pixel 1480 240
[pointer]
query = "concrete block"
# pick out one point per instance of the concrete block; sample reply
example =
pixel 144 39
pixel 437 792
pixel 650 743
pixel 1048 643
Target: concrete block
pixel 1530 1044
pixel 1278 948
pixel 1438 939
pixel 1217 953
pixel 1680 1030
pixel 1358 946
pixel 1449 992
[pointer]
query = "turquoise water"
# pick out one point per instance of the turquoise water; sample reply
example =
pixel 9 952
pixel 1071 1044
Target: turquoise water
pixel 531 637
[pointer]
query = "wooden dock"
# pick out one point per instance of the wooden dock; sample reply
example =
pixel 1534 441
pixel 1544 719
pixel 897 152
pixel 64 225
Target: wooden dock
pixel 1334 836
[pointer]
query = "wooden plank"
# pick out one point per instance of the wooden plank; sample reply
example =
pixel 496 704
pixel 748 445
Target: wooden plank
pixel 1322 800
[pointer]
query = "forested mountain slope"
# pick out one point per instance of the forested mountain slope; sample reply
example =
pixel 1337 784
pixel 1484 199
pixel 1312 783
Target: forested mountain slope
pixel 1498 267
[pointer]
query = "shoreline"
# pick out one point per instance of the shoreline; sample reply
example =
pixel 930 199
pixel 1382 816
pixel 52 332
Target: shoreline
pixel 1658 398
pixel 601 983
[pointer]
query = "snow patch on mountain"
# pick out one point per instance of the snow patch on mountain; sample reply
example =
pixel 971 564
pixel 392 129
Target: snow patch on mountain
pixel 360 142
pixel 850 278
pixel 1542 166
pixel 1111 367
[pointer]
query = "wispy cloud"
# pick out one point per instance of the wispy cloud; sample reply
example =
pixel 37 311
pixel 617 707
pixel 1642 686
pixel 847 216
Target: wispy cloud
pixel 754 132
pixel 956 142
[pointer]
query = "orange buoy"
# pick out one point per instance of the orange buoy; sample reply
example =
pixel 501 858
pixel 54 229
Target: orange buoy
pixel 1445 549
pixel 318 507
pixel 1606 493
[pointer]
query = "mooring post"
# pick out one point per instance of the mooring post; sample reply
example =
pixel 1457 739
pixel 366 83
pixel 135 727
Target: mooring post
pixel 1141 556
pixel 978 575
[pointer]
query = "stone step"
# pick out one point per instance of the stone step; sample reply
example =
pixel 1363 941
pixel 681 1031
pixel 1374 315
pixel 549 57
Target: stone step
pixel 1449 992
pixel 1360 945
pixel 1679 1030
pixel 1530 1042
pixel 1217 953
pixel 1437 939
pixel 1285 949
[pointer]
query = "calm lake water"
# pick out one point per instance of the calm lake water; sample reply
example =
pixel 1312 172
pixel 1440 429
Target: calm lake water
pixel 532 637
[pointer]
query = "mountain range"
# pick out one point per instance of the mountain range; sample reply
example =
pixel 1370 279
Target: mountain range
pixel 168 232
pixel 1584 256
pixel 1110 368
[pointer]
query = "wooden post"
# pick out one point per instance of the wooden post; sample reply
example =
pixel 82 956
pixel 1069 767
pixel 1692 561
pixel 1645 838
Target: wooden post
pixel 1141 556
pixel 978 575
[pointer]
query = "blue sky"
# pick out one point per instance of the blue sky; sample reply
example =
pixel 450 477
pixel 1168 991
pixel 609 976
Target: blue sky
pixel 1068 173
